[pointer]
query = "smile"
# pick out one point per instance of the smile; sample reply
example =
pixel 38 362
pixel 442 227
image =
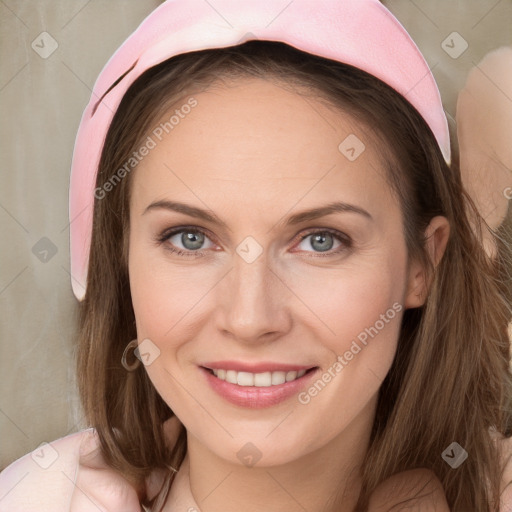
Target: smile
pixel 262 380
pixel 266 386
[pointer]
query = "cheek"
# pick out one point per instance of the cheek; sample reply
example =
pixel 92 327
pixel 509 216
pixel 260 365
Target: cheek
pixel 163 304
pixel 350 303
pixel 343 301
pixel 163 294
pixel 365 317
pixel 361 313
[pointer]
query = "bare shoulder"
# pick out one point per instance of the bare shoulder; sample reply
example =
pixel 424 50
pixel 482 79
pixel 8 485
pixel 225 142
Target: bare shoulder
pixel 505 447
pixel 44 478
pixel 404 485
pixel 421 486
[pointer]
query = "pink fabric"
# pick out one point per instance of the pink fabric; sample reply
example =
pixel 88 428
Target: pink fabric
pixel 66 475
pixel 358 32
pixel 71 475
pixel 43 479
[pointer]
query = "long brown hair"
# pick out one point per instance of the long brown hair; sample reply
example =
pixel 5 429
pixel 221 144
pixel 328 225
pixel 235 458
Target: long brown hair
pixel 450 378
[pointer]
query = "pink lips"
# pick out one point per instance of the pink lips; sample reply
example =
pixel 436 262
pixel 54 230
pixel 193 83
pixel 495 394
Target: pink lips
pixel 254 368
pixel 253 397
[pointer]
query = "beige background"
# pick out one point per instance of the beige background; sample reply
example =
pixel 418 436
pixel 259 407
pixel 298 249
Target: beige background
pixel 41 101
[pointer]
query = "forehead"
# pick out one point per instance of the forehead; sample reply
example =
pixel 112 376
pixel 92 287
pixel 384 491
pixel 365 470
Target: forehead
pixel 256 139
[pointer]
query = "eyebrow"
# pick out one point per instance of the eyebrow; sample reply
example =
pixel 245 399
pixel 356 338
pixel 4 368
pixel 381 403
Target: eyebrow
pixel 297 218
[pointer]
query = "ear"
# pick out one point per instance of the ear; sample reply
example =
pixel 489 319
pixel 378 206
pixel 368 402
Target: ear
pixel 436 240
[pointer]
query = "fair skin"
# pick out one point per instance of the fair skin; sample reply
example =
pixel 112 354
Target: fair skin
pixel 253 164
pixel 484 130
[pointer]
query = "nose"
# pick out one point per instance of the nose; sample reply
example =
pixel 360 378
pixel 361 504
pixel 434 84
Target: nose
pixel 255 305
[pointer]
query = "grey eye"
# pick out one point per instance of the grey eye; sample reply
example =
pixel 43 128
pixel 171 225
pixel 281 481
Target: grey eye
pixel 190 240
pixel 321 241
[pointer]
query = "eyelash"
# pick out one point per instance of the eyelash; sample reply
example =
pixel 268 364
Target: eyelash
pixel 165 235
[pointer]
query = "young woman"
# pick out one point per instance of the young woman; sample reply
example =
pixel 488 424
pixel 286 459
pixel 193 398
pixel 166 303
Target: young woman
pixel 287 303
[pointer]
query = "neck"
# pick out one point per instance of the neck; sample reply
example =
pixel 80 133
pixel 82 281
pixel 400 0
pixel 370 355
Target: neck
pixel 325 480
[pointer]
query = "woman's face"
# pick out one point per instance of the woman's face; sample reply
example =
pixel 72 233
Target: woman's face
pixel 264 290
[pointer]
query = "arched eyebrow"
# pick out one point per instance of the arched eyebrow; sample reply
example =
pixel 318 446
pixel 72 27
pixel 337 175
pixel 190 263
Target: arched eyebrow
pixel 297 218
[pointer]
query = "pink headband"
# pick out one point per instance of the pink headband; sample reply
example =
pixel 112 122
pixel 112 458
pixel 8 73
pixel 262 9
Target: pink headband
pixel 362 33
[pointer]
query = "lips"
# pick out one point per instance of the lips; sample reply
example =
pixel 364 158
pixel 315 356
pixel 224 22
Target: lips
pixel 256 385
pixel 255 367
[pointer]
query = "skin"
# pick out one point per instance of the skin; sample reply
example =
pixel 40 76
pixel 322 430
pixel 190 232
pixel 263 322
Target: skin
pixel 254 163
pixel 99 487
pixel 484 131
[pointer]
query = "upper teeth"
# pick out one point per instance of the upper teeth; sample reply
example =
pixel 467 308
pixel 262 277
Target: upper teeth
pixel 257 379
